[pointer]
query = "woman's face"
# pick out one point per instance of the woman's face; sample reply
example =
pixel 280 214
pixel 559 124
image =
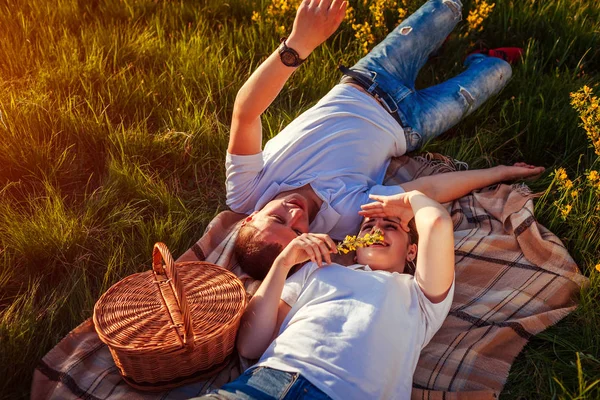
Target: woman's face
pixel 393 253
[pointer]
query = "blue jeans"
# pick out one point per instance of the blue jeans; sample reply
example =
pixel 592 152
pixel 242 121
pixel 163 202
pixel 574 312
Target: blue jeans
pixel 394 63
pixel 264 383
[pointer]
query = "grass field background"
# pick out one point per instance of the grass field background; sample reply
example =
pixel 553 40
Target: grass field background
pixel 114 122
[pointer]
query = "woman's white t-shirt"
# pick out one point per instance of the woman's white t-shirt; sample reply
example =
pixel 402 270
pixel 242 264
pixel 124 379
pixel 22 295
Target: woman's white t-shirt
pixel 342 147
pixel 353 332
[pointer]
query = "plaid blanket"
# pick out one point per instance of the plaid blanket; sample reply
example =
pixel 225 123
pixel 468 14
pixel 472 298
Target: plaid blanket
pixel 514 278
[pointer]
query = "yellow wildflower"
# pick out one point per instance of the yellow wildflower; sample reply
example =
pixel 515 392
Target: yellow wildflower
pixel 593 176
pixel 561 174
pixel 575 194
pixel 564 211
pixel 351 243
pixel 568 184
pixel 401 14
pixel 350 15
pixel 364 35
pixel 598 267
pixel 588 107
pixel 476 16
pixel 256 16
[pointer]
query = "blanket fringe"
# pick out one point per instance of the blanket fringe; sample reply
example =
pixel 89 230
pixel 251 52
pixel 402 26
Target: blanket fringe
pixel 440 163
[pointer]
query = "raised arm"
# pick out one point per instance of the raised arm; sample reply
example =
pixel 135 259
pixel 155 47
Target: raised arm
pixel 435 260
pixel 315 21
pixel 266 311
pixel 453 185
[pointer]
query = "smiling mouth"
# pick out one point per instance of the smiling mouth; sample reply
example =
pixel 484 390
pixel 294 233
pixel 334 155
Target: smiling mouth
pixel 379 245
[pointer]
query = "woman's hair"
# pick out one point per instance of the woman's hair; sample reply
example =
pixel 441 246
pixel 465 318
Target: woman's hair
pixel 413 238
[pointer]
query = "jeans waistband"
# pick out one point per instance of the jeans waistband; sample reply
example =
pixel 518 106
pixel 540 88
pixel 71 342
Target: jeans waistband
pixel 371 87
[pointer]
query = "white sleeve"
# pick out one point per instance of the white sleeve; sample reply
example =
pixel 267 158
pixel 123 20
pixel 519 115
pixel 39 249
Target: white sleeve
pixel 434 314
pixel 294 284
pixel 383 190
pixel 241 174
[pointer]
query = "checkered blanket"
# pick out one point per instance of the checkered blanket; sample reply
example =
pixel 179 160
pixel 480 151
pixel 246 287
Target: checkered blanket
pixel 514 278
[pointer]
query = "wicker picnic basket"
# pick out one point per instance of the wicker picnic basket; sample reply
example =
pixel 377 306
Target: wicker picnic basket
pixel 173 324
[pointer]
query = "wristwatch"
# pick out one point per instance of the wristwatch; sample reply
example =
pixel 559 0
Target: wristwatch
pixel 288 55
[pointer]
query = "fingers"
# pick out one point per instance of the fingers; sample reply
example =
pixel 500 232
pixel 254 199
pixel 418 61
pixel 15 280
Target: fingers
pixel 308 248
pixel 325 5
pixel 525 165
pixel 373 213
pixel 372 206
pixel 319 247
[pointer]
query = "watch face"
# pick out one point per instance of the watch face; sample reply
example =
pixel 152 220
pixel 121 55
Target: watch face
pixel 288 58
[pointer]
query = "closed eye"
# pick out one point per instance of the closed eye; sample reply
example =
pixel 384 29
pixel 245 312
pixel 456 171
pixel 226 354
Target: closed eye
pixel 366 227
pixel 278 219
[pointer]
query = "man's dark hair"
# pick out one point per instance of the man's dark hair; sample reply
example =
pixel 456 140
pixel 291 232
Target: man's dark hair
pixel 255 256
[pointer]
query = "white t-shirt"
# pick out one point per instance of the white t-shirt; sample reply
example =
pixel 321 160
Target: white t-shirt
pixel 341 147
pixel 353 332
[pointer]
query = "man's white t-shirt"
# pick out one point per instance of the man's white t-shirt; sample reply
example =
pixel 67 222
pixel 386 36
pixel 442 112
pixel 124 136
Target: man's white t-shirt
pixel 353 332
pixel 341 147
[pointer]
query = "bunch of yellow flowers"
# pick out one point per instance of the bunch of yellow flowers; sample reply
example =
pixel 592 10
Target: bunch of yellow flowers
pixel 565 186
pixel 587 105
pixel 279 13
pixel 351 243
pixel 374 25
pixel 480 13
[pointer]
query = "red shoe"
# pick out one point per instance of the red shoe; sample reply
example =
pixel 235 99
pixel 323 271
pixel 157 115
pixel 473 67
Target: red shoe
pixel 509 54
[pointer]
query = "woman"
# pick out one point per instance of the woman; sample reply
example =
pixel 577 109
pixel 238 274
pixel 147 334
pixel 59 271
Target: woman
pixel 338 332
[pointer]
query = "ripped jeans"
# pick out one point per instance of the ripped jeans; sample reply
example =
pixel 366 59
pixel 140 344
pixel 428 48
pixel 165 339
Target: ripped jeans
pixel 394 63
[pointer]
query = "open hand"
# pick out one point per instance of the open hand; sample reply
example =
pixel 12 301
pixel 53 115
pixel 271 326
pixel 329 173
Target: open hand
pixel 316 247
pixel 315 21
pixel 522 170
pixel 397 205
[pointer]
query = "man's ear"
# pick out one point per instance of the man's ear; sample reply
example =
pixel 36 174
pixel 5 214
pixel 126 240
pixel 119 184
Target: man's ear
pixel 249 218
pixel 411 254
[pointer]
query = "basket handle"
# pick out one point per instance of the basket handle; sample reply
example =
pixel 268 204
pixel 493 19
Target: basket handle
pixel 160 253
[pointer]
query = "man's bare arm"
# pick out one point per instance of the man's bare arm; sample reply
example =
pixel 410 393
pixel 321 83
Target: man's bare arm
pixel 315 21
pixel 453 185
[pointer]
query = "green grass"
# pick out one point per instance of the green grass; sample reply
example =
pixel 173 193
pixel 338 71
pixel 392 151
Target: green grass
pixel 113 128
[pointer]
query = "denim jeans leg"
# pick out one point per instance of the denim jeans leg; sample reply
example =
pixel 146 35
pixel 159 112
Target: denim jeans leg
pixel 395 62
pixel 258 383
pixel 438 108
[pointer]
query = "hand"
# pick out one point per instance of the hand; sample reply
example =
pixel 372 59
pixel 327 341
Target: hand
pixel 308 246
pixel 522 170
pixel 397 205
pixel 315 21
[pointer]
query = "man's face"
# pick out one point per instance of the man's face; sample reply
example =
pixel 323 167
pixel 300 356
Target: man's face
pixel 390 255
pixel 282 219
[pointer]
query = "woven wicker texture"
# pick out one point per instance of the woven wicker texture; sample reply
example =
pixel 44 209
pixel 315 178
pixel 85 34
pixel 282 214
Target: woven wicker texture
pixel 170 322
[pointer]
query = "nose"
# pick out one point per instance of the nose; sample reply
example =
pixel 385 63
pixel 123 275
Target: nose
pixel 295 215
pixel 378 225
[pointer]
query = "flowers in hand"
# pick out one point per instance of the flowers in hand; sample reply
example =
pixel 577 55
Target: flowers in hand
pixel 351 243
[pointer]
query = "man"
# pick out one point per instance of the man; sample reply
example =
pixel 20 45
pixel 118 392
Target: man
pixel 317 172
